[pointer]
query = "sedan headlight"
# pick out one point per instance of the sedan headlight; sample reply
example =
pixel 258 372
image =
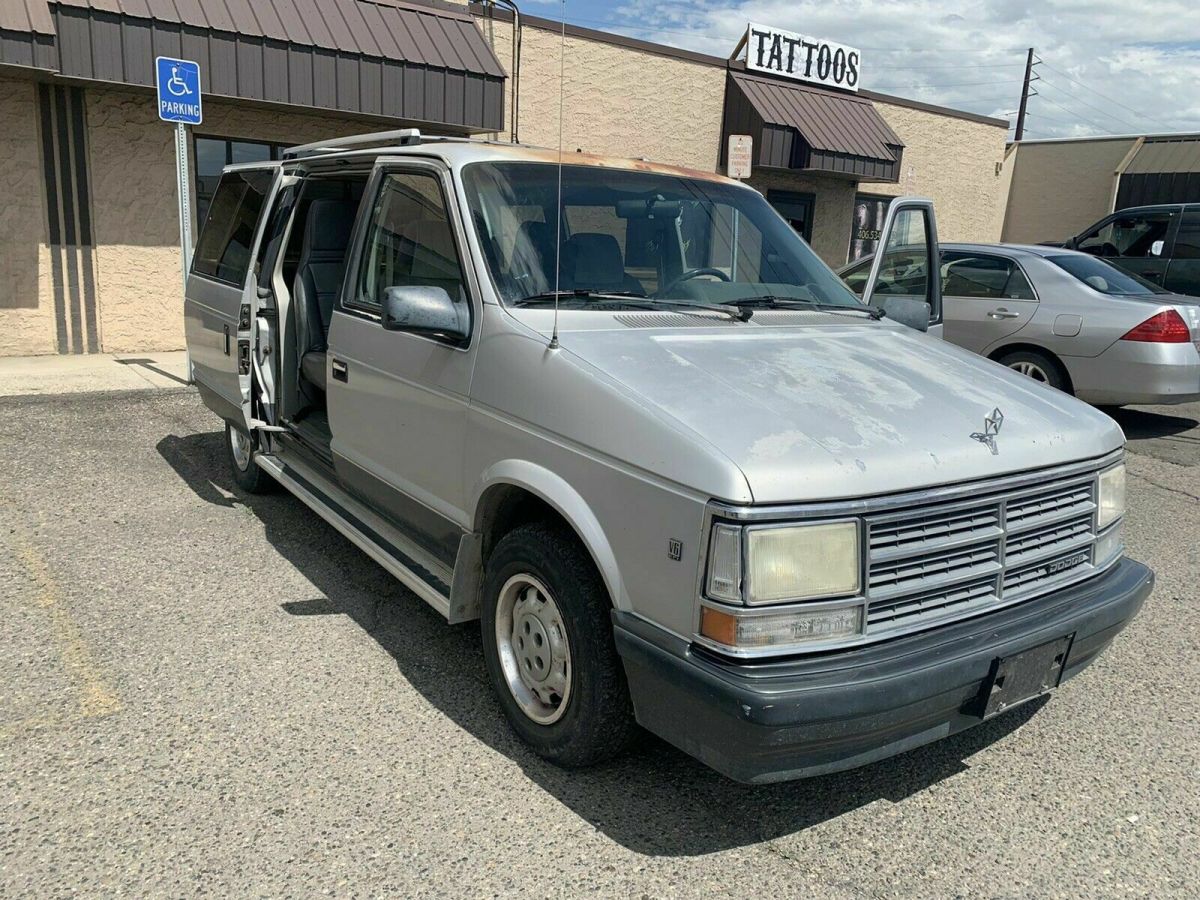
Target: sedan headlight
pixel 784 563
pixel 1112 495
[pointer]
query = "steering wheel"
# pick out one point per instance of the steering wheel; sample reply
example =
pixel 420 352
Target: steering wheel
pixel 695 273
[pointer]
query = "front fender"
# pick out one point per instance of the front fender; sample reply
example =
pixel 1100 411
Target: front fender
pixel 555 491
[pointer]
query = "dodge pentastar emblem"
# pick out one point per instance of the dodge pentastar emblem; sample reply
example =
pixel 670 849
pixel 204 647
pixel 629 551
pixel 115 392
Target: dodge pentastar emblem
pixel 991 428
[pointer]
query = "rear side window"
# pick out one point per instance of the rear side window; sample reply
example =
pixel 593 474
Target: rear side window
pixel 986 277
pixel 227 238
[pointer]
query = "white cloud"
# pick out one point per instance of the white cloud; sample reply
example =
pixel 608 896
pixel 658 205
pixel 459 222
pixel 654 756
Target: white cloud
pixel 1110 66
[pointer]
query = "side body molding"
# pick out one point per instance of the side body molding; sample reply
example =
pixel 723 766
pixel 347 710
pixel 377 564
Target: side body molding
pixel 558 494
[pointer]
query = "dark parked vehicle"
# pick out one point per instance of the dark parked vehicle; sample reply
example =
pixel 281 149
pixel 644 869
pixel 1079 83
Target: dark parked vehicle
pixel 1159 243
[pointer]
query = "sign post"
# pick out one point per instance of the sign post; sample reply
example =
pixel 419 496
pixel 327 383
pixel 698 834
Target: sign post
pixel 179 101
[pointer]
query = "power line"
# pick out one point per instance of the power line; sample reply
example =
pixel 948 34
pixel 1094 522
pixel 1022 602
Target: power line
pixel 893 87
pixel 1096 92
pixel 1007 65
pixel 1102 128
pixel 1092 106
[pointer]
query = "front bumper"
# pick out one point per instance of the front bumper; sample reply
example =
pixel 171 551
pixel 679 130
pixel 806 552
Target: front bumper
pixel 795 718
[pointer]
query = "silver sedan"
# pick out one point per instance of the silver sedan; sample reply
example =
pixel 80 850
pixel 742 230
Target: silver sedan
pixel 1061 317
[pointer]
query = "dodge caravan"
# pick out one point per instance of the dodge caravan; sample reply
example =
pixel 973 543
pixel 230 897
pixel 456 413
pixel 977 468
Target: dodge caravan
pixel 621 414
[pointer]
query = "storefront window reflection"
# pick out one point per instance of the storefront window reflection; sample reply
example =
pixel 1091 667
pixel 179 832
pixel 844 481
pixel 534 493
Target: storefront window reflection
pixel 869 212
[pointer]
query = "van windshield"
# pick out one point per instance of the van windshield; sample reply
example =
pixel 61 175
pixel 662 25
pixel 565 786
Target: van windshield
pixel 636 238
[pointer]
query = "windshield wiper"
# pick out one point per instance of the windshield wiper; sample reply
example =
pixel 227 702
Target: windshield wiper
pixel 547 298
pixel 634 299
pixel 773 301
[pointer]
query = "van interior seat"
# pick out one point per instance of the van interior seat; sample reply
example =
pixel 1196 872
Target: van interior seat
pixel 319 279
pixel 593 261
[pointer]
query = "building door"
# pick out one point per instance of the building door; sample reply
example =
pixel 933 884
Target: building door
pixel 796 208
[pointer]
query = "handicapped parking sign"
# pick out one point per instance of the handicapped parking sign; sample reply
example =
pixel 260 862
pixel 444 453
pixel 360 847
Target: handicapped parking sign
pixel 178 90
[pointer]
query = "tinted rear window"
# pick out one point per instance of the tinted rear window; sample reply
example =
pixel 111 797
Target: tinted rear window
pixel 1103 277
pixel 223 251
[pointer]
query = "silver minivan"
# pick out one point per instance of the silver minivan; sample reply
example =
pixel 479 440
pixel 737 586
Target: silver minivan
pixel 622 415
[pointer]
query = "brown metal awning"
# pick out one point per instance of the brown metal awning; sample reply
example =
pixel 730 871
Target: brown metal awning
pixel 810 129
pixel 421 62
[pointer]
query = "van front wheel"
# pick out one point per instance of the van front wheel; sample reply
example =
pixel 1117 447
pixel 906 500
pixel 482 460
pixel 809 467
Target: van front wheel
pixel 247 474
pixel 548 646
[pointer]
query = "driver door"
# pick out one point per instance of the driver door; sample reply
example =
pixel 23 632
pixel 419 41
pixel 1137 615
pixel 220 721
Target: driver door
pixel 908 245
pixel 398 400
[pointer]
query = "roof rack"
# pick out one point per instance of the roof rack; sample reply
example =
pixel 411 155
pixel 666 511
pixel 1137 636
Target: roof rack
pixel 405 137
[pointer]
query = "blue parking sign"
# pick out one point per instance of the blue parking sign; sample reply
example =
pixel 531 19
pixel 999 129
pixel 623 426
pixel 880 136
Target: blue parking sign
pixel 178 90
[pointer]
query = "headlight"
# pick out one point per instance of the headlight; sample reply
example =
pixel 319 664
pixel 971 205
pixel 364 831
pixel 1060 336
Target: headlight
pixel 795 627
pixel 790 562
pixel 1112 495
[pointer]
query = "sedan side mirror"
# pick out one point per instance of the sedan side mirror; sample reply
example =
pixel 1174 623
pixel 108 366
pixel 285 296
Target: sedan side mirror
pixel 1156 248
pixel 906 310
pixel 425 309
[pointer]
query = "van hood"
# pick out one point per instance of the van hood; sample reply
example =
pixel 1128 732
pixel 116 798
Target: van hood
pixel 844 411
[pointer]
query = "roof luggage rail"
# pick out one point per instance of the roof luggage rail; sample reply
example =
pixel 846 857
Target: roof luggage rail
pixel 405 137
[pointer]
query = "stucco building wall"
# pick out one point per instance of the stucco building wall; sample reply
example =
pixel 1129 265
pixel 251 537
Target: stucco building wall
pixel 954 162
pixel 833 208
pixel 26 301
pixel 616 100
pixel 1061 187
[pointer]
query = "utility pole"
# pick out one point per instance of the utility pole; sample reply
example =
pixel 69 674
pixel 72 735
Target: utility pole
pixel 1024 96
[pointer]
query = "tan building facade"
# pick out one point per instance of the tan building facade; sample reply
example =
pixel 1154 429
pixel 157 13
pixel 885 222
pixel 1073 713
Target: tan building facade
pixel 1060 186
pixel 89 235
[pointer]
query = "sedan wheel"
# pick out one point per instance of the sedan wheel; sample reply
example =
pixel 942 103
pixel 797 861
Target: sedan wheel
pixel 1040 367
pixel 1030 370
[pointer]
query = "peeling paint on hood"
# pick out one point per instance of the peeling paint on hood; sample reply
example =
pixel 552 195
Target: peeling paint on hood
pixel 843 411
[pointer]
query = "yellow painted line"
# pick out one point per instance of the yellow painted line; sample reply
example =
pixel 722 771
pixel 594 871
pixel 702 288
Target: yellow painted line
pixel 96 697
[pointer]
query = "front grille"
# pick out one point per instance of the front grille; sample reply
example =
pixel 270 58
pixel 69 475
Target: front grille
pixel 944 560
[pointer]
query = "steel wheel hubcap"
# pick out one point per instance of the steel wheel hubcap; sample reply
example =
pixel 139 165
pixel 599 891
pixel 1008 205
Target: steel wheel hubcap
pixel 533 648
pixel 240 445
pixel 1031 370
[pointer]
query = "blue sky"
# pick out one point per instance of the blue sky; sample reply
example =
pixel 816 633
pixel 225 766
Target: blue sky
pixel 1108 66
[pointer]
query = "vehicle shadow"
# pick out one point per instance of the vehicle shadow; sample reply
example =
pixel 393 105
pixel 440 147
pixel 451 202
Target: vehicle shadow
pixel 1143 424
pixel 655 800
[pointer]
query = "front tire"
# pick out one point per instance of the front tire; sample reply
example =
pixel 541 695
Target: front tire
pixel 548 646
pixel 1038 366
pixel 247 474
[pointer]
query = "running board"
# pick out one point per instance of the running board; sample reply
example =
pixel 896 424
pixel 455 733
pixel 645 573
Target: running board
pixel 425 576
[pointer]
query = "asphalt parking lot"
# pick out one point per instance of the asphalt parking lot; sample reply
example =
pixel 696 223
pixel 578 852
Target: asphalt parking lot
pixel 208 693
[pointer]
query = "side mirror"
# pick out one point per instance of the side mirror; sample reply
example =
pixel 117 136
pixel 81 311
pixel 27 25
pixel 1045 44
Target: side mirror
pixel 1156 248
pixel 906 310
pixel 424 309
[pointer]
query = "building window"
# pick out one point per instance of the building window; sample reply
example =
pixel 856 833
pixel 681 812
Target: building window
pixel 213 154
pixel 869 213
pixel 796 208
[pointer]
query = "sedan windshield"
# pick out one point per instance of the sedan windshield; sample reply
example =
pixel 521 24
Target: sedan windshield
pixel 1105 277
pixel 638 240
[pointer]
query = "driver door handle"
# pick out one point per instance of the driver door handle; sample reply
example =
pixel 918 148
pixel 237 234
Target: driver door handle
pixel 1003 313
